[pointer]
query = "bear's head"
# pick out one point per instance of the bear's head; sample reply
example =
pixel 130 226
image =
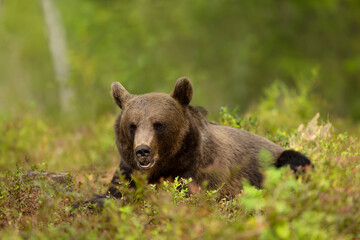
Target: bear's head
pixel 151 127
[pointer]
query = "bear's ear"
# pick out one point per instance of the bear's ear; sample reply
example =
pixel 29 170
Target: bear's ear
pixel 183 91
pixel 119 94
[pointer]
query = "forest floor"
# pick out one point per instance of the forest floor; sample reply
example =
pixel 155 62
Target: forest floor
pixel 323 203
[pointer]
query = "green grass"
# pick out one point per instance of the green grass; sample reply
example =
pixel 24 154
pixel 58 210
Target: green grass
pixel 322 204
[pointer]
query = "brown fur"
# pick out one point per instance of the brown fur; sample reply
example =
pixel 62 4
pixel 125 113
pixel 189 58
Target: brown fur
pixel 179 141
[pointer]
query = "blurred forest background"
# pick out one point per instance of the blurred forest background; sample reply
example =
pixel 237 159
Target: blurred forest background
pixel 277 63
pixel 231 50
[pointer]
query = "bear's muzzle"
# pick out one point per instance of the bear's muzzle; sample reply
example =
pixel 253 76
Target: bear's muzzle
pixel 143 158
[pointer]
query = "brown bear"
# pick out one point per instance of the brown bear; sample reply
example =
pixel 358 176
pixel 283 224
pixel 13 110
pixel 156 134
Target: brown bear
pixel 162 136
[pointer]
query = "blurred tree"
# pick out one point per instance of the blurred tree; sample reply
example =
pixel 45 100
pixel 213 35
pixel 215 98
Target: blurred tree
pixel 230 49
pixel 57 46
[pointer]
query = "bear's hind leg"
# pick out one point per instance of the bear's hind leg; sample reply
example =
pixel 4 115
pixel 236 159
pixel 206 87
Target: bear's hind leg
pixel 295 159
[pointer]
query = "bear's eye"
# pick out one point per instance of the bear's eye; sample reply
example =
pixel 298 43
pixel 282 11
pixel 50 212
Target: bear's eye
pixel 132 127
pixel 158 126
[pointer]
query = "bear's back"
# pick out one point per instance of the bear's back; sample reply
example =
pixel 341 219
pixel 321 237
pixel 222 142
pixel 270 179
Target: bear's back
pixel 238 144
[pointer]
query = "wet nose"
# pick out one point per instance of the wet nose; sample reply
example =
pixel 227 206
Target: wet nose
pixel 142 151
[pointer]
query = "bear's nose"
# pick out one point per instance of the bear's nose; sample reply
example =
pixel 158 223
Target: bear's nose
pixel 142 151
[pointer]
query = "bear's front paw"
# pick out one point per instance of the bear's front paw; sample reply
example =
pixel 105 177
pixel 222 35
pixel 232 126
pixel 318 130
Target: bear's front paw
pixel 96 203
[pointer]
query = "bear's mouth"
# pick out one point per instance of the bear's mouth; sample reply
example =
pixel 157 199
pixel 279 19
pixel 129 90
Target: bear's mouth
pixel 146 164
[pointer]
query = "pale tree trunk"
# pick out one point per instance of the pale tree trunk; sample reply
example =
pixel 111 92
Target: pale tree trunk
pixel 57 45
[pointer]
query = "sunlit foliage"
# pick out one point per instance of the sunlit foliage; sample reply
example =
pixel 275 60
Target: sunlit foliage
pixel 323 203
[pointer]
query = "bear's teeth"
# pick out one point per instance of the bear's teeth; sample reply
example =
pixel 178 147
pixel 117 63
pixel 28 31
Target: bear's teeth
pixel 149 165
